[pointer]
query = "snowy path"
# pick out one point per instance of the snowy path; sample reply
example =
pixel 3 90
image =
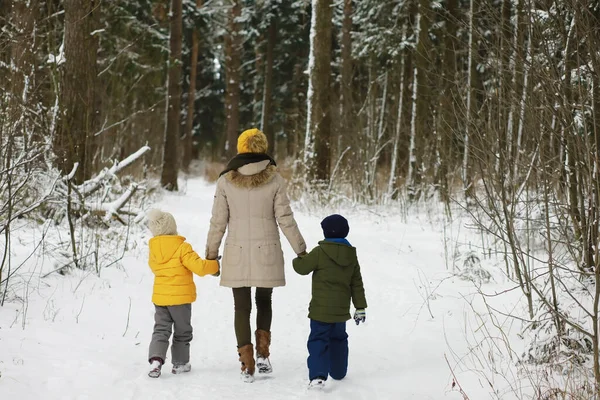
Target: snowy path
pixel 83 340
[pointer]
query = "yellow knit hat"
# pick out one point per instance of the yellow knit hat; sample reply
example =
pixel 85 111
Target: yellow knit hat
pixel 252 141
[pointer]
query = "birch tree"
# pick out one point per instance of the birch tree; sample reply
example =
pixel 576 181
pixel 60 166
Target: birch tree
pixel 420 106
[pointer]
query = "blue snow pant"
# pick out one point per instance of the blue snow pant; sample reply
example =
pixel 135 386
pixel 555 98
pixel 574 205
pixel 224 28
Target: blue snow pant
pixel 327 350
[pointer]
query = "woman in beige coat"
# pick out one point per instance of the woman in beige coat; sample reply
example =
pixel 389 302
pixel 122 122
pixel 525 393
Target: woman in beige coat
pixel 251 202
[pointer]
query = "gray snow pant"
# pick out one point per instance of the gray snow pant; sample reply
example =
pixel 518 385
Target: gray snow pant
pixel 164 319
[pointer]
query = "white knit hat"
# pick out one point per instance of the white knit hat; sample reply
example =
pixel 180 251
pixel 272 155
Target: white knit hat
pixel 161 223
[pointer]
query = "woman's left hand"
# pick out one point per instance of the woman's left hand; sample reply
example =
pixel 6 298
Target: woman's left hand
pixel 218 273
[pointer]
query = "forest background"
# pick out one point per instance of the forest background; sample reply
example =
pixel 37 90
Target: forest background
pixel 488 106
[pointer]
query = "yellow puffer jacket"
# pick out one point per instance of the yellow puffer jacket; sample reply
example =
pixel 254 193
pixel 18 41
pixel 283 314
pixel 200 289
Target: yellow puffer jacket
pixel 173 260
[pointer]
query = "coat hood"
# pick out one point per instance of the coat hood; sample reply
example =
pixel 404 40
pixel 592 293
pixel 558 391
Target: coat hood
pixel 162 248
pixel 252 175
pixel 341 254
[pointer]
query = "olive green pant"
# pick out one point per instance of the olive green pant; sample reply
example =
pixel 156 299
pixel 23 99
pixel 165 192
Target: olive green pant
pixel 242 299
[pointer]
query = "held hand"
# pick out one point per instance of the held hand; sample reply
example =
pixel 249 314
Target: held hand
pixel 218 273
pixel 360 316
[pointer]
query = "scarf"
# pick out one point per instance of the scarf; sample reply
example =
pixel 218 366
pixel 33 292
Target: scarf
pixel 240 160
pixel 338 240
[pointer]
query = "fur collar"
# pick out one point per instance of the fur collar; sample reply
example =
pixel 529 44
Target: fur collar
pixel 251 181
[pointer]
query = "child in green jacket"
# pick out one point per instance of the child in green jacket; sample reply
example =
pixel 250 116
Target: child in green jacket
pixel 336 280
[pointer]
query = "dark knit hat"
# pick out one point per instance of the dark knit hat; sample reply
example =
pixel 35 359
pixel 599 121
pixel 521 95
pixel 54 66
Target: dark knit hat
pixel 335 226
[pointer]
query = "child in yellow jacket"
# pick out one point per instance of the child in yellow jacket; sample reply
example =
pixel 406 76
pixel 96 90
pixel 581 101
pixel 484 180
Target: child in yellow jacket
pixel 172 261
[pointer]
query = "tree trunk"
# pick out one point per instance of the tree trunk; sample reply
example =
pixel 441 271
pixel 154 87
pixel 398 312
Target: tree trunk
pixel 346 76
pixel 189 123
pixel 318 124
pixel 267 112
pixel 523 102
pixel 295 125
pixel 471 67
pixel 22 74
pixel 569 167
pixel 233 49
pixel 412 158
pixel 516 71
pixel 595 344
pixel 78 116
pixel 421 114
pixel 366 141
pixel 399 121
pixel 448 124
pixel 258 84
pixel 373 159
pixel 550 243
pixel 504 82
pixel 170 159
pixel 596 189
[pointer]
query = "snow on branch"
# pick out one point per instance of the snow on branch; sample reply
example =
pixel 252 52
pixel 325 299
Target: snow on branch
pixel 22 212
pixel 113 208
pixel 90 186
pixel 72 173
pixel 58 59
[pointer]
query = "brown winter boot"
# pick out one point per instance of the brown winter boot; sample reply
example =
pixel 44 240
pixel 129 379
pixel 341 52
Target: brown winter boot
pixel 263 341
pixel 246 354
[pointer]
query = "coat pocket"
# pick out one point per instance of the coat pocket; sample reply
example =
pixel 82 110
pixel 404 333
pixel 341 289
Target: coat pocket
pixel 270 254
pixel 232 254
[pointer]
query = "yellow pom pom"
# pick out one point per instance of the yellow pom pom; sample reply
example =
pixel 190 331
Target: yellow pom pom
pixel 252 141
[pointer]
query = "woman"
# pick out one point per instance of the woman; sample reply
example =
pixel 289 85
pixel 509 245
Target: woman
pixel 250 201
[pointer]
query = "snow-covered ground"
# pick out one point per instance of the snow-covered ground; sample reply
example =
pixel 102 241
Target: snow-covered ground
pixel 84 336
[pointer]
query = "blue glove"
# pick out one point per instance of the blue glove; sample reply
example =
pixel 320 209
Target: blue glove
pixel 360 316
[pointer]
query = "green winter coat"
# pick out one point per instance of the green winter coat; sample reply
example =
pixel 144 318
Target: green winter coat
pixel 336 280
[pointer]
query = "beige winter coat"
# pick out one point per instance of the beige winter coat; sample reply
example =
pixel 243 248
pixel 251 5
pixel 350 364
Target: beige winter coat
pixel 250 203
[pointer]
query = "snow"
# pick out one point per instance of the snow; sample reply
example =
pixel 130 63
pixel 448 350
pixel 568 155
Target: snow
pixel 58 59
pixel 85 336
